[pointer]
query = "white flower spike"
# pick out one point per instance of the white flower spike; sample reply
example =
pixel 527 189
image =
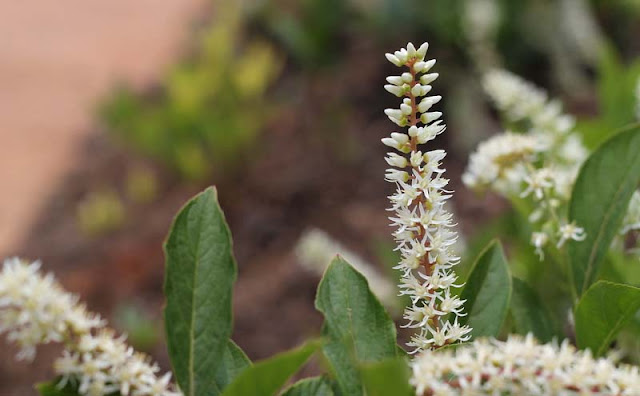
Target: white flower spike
pixel 423 226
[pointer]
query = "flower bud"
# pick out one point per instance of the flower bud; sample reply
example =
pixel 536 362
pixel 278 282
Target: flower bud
pixel 395 175
pixel 422 51
pixel 411 51
pixel 426 103
pixel 396 160
pixel 401 55
pixel 429 117
pixel 395 80
pixel 428 78
pixel 393 59
pixel 398 91
pixel 416 90
pixel 401 138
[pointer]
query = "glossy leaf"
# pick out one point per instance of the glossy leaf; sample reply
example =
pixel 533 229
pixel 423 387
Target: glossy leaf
pixel 389 377
pixel 529 314
pixel 200 272
pixel 357 327
pixel 487 292
pixel 602 312
pixel 266 377
pixel 316 386
pixel 599 201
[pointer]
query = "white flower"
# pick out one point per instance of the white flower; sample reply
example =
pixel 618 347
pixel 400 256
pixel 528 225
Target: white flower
pixel 539 240
pixel 423 226
pixel 520 366
pixel 35 309
pixel 537 183
pixel 570 231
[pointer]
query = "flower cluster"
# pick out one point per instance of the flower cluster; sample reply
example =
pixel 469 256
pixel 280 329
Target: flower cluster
pixel 538 164
pixel 35 309
pixel 520 366
pixel 423 227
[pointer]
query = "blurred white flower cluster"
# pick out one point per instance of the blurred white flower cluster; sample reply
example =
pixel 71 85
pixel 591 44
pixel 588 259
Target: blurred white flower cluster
pixel 35 309
pixel 423 227
pixel 538 164
pixel 520 366
pixel 316 249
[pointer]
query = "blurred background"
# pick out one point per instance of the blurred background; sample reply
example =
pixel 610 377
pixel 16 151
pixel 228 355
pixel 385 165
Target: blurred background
pixel 114 113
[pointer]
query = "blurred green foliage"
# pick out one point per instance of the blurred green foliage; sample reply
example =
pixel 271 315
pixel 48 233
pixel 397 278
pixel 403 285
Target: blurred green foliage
pixel 616 95
pixel 142 331
pixel 315 32
pixel 142 185
pixel 209 107
pixel 100 212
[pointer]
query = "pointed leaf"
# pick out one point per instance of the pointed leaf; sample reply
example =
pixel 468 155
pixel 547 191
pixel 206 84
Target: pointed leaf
pixel 599 201
pixel 529 314
pixel 357 327
pixel 266 377
pixel 200 271
pixel 233 362
pixel 316 386
pixel 388 377
pixel 487 292
pixel 602 312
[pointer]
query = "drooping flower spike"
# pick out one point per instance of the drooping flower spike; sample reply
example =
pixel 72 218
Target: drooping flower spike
pixel 423 227
pixel 539 164
pixel 35 309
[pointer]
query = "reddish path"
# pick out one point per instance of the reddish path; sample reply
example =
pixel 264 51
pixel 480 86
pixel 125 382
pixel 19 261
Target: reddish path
pixel 56 59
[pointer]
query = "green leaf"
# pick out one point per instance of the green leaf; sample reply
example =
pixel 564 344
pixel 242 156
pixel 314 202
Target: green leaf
pixel 602 312
pixel 487 292
pixel 357 327
pixel 616 85
pixel 599 201
pixel 50 388
pixel 200 272
pixel 266 377
pixel 316 386
pixel 388 377
pixel 233 362
pixel 529 314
